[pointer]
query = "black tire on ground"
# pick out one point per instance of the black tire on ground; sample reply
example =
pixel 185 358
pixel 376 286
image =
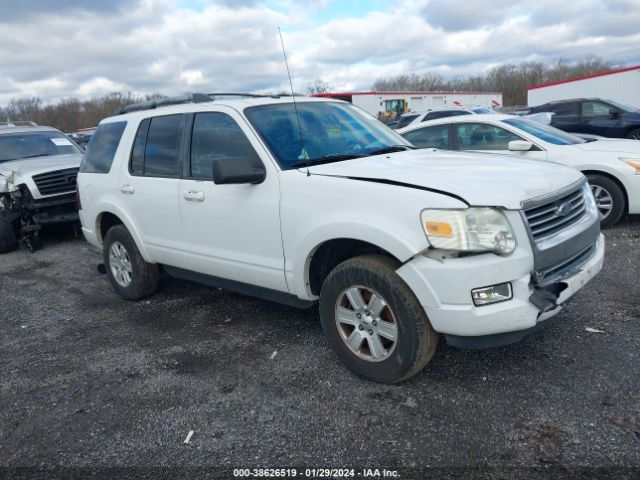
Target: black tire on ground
pixel 634 134
pixel 144 275
pixel 416 339
pixel 618 204
pixel 8 238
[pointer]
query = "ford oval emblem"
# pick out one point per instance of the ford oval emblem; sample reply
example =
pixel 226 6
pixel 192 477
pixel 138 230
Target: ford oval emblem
pixel 563 209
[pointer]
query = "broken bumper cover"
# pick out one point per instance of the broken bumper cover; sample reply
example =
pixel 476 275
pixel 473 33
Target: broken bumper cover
pixel 448 304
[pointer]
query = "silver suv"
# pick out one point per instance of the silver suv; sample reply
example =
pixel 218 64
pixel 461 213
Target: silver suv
pixel 38 170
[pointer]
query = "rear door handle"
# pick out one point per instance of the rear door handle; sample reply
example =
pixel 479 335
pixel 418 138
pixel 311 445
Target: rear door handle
pixel 128 189
pixel 194 196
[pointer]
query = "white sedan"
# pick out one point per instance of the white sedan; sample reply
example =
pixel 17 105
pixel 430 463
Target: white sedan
pixel 611 165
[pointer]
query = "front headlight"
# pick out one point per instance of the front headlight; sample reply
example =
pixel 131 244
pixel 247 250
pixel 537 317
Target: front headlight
pixel 469 230
pixel 589 200
pixel 632 162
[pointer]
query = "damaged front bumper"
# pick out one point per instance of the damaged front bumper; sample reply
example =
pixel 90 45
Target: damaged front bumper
pixel 444 292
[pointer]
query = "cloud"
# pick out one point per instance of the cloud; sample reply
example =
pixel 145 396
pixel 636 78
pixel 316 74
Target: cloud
pixel 77 48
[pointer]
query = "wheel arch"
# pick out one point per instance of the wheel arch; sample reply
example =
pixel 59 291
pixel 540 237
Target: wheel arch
pixel 111 217
pixel 331 253
pixel 613 178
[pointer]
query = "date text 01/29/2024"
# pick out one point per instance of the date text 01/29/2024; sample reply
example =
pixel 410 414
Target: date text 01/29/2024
pixel 314 473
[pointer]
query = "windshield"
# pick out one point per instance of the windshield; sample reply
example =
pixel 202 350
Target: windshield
pixel 624 108
pixel 544 132
pixel 14 146
pixel 331 131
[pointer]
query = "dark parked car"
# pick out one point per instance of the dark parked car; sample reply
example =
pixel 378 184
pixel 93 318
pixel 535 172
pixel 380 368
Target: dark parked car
pixel 593 116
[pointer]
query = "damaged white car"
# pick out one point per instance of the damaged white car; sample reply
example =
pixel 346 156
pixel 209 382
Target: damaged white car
pixel 38 169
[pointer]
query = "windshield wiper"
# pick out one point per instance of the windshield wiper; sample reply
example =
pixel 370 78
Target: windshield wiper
pixel 390 149
pixel 332 157
pixel 36 155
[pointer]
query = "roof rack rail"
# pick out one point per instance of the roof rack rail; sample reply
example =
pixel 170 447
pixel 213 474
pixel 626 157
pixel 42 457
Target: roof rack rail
pixel 18 123
pixel 186 98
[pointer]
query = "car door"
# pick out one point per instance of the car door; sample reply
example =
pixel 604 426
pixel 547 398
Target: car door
pixel 566 116
pixel 600 118
pixel 149 187
pixel 486 137
pixel 231 231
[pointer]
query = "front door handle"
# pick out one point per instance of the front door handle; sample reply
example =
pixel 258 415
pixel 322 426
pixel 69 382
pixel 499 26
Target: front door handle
pixel 194 196
pixel 128 189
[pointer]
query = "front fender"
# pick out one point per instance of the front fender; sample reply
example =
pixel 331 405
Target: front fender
pixel 402 247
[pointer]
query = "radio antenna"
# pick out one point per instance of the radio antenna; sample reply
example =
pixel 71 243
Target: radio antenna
pixel 295 105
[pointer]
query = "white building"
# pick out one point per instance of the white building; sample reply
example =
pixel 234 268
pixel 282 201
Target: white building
pixel 621 86
pixel 377 103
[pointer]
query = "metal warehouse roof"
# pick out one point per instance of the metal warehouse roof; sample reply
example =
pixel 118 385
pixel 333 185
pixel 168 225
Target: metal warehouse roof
pixel 576 79
pixel 439 92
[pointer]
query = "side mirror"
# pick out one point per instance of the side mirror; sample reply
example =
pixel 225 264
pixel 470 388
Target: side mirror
pixel 520 146
pixel 613 113
pixel 238 170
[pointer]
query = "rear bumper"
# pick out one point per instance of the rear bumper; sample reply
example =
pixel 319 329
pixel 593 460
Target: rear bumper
pixel 464 319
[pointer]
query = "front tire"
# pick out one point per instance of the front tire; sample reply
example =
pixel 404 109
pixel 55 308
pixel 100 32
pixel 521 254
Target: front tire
pixel 609 199
pixel 8 238
pixel 130 275
pixel 374 322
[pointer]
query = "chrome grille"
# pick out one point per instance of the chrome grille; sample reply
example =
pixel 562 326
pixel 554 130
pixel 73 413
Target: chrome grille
pixel 557 272
pixel 56 182
pixel 546 219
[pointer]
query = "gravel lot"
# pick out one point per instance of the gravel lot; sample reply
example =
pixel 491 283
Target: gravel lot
pixel 90 380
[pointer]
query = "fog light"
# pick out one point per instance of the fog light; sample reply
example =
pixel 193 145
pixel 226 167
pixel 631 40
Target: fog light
pixel 493 294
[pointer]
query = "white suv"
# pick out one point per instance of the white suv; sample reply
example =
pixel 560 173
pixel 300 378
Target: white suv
pixel 317 200
pixel 414 118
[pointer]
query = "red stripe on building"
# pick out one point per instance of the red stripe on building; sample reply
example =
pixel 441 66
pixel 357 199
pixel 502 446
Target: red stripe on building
pixel 569 80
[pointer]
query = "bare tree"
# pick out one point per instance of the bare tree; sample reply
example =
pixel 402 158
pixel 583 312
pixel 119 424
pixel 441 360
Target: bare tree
pixel 319 86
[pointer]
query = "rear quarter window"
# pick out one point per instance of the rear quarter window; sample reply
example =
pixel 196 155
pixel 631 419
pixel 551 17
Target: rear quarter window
pixel 102 148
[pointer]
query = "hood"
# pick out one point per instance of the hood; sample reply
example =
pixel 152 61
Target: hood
pixel 612 145
pixel 479 179
pixel 35 165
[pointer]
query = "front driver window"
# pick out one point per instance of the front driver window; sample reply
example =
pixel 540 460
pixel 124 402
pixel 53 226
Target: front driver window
pixel 593 109
pixel 217 135
pixel 478 136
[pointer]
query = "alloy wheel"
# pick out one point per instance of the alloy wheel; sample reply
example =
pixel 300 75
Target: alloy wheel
pixel 604 201
pixel 366 323
pixel 120 264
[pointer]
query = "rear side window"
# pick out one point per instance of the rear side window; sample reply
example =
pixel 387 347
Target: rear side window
pixel 102 148
pixel 570 108
pixel 156 147
pixel 430 137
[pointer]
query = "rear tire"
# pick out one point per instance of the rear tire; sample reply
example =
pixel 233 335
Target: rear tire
pixel 8 238
pixel 396 340
pixel 634 134
pixel 130 275
pixel 609 199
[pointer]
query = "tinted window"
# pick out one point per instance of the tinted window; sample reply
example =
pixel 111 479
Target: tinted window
pixel 444 114
pixel 137 153
pixel 405 120
pixel 479 136
pixel 217 135
pixel 162 147
pixel 102 147
pixel 569 108
pixel 592 109
pixel 430 137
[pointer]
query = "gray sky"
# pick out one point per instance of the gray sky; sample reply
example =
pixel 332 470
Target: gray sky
pixel 64 48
